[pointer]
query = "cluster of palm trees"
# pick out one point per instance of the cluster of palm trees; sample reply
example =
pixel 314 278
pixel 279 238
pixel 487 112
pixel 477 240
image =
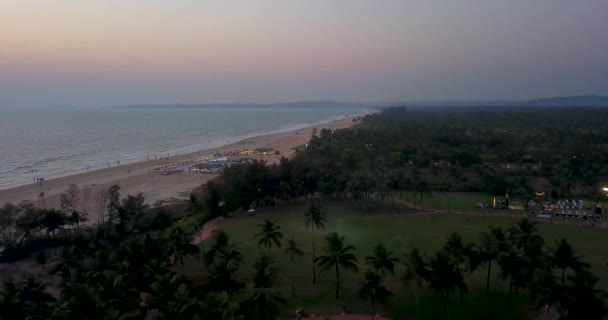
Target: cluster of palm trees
pixel 555 278
pixel 105 273
pixel 128 269
pixel 106 276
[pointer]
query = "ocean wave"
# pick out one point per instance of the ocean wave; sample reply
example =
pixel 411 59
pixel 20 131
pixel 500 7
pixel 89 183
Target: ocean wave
pixel 201 131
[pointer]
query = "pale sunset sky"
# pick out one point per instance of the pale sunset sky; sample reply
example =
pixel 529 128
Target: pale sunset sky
pixel 111 52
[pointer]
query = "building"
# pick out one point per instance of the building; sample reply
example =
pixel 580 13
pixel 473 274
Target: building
pixel 213 168
pixel 264 151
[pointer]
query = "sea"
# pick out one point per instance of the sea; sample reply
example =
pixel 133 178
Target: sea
pixel 50 143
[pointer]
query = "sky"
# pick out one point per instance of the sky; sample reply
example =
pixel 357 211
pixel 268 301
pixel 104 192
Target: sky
pixel 116 52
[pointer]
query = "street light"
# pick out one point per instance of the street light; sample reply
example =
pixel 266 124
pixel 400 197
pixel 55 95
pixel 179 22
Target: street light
pixel 605 189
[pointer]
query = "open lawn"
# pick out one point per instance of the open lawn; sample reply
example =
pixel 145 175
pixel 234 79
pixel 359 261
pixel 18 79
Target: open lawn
pixel 398 233
pixel 458 201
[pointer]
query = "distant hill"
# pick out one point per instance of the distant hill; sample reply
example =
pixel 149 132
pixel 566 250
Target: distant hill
pixel 301 104
pixel 573 101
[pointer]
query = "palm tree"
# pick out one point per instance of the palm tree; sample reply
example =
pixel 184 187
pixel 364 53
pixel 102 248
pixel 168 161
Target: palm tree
pixel 222 271
pixel 315 220
pixel 116 289
pixel 337 255
pixel 583 300
pixel 220 244
pixel 294 252
pixel 512 264
pixel 527 245
pixel 79 301
pixel 563 258
pixel 445 278
pixel 33 298
pixel 545 290
pixel 170 296
pixel 193 204
pixel 423 190
pixel 489 249
pixel 270 234
pixel 9 302
pixel 524 235
pixel 180 246
pixel 372 287
pixel 382 260
pixel 263 302
pixel 67 264
pixel 416 270
pixel 455 174
pixel 219 305
pixel 222 261
pixel 458 251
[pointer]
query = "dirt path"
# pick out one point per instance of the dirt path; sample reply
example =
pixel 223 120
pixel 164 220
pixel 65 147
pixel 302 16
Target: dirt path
pixel 206 231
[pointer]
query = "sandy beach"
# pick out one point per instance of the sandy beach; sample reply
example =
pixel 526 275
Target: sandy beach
pixel 144 176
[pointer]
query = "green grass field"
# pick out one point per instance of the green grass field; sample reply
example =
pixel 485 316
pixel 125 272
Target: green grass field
pixel 398 232
pixel 458 201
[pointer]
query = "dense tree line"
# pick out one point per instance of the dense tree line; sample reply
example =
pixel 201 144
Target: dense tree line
pixel 26 228
pixel 518 151
pixel 106 274
pixel 128 265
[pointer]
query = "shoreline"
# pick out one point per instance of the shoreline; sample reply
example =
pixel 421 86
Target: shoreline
pixel 187 150
pixel 141 175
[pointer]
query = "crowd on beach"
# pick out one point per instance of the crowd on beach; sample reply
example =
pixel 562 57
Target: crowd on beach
pixel 214 163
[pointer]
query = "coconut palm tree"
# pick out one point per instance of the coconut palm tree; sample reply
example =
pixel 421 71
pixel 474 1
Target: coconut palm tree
pixel 445 278
pixel 9 302
pixel 293 250
pixel 220 306
pixel 337 255
pixel 222 271
pixel 220 245
pixel 490 246
pixel 33 298
pixel 79 301
pixel 563 258
pixel 372 288
pixel 170 296
pixel 545 290
pixel 458 251
pixel 180 246
pixel 416 270
pixel 193 204
pixel 524 235
pixel 527 244
pixel 513 265
pixel 262 301
pixel 382 260
pixel 315 220
pixel 222 262
pixel 269 234
pixel 67 264
pixel 583 300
